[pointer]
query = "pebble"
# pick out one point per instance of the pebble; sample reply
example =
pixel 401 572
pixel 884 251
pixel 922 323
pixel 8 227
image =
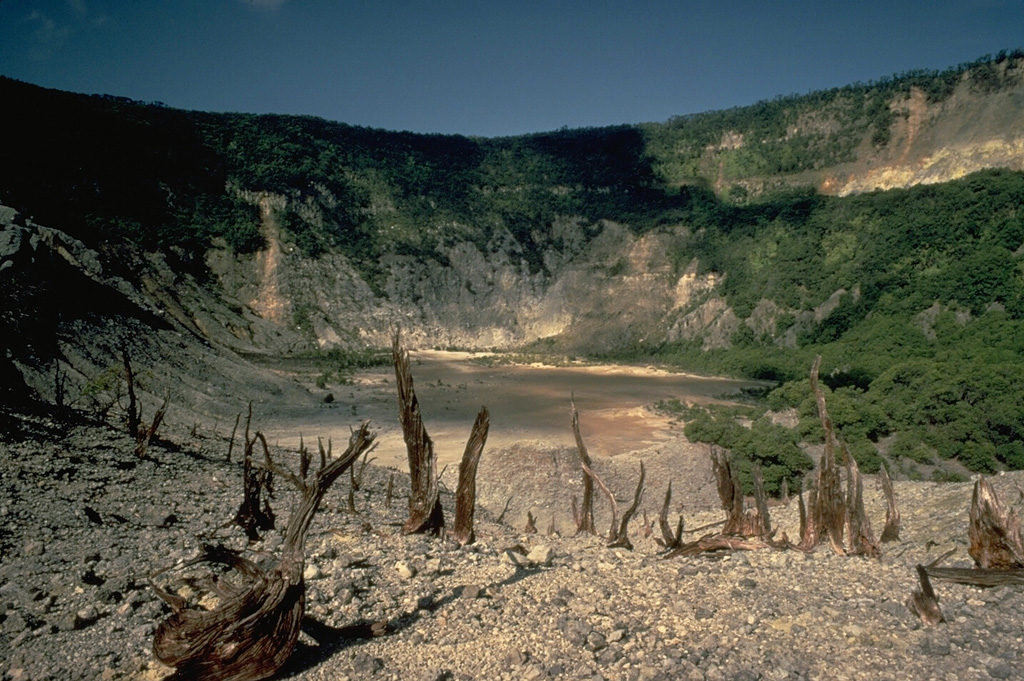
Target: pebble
pixel 511 606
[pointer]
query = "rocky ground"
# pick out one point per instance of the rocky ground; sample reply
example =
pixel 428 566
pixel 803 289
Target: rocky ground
pixel 83 523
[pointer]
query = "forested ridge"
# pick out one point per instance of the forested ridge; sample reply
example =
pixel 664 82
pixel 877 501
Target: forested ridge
pixel 921 335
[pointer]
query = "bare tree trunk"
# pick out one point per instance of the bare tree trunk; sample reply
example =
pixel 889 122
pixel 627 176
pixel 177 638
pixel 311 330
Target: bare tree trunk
pixel 252 632
pixel 760 524
pixel 611 501
pixel 465 493
pixel 425 512
pixel 808 529
pixel 585 517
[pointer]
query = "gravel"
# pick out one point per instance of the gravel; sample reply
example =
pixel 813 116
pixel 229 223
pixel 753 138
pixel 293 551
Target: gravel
pixel 83 525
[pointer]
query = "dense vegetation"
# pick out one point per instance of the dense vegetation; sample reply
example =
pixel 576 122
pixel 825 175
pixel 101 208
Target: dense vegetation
pixel 922 348
pixel 923 352
pixel 798 133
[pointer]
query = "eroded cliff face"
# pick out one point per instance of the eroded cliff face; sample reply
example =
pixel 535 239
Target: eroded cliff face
pixel 939 142
pixel 594 295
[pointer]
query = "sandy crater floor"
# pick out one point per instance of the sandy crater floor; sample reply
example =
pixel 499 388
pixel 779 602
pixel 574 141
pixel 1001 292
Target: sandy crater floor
pixel 526 403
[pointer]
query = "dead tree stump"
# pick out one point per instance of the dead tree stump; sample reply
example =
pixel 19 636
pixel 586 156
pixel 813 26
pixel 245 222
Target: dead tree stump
pixel 891 531
pixel 740 521
pixel 425 512
pixel 994 533
pixel 858 526
pixel 465 493
pixel 252 632
pixel 826 515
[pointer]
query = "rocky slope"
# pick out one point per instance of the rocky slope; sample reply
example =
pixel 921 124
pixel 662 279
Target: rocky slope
pixel 84 524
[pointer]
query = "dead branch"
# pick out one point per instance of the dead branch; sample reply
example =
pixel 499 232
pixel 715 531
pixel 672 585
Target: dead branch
pixel 891 531
pixel 425 512
pixel 669 539
pixel 585 516
pixel 351 500
pixel 326 454
pixel 978 576
pixel 252 632
pixel 923 602
pixel 465 493
pixel 621 538
pixel 611 500
pixel 255 515
pixel 994 533
pixel 147 433
pixel 712 543
pixel 504 510
pixel 231 442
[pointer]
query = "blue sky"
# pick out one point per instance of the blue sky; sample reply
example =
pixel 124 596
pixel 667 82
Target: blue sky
pixel 487 68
